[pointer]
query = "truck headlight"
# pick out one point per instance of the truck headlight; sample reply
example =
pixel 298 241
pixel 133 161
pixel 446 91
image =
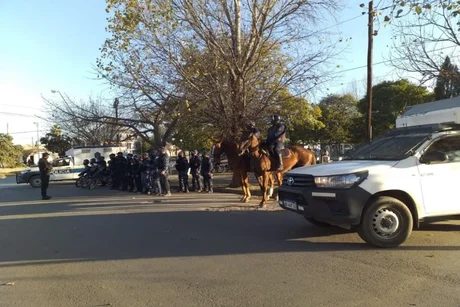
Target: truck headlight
pixel 340 181
pixel 24 171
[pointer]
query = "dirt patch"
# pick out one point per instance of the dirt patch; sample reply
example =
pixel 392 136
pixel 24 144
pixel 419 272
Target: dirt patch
pixel 271 206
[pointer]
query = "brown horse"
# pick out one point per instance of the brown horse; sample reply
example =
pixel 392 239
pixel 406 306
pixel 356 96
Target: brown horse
pixel 261 162
pixel 240 165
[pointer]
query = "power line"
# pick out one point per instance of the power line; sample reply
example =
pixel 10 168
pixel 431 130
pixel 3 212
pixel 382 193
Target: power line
pixel 15 106
pixel 22 132
pixel 17 114
pixel 382 62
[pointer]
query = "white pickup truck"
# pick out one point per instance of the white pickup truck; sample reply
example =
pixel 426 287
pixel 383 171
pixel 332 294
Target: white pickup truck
pixel 386 187
pixel 68 167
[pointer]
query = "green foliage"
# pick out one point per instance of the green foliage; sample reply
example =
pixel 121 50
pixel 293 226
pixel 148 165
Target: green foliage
pixel 10 154
pixel 402 8
pixel 338 114
pixel 448 81
pixel 56 142
pixel 391 98
pixel 190 135
pixel 300 116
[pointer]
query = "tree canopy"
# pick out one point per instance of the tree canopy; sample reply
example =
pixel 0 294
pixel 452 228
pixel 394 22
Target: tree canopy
pixel 10 154
pixel 57 142
pixel 338 114
pixel 391 98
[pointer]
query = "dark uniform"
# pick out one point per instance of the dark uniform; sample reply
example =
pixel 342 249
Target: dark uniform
pixel 206 172
pixel 163 169
pixel 137 174
pixel 45 171
pixel 111 167
pixel 120 169
pixel 275 139
pixel 144 170
pixel 182 167
pixel 128 182
pixel 195 165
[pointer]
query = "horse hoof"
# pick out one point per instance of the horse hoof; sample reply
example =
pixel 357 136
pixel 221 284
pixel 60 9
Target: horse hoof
pixel 246 200
pixel 262 205
pixel 243 199
pixel 277 198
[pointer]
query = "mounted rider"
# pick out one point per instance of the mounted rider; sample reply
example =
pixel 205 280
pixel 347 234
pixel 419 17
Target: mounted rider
pixel 276 138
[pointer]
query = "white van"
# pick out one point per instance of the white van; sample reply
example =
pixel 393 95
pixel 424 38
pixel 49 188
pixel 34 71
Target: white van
pixel 383 188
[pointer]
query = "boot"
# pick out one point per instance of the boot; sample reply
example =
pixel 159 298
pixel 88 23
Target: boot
pixel 280 162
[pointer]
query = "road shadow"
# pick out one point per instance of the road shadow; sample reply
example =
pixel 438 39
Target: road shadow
pixel 168 234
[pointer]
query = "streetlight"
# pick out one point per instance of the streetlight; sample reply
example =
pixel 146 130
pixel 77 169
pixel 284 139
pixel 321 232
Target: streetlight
pixel 35 123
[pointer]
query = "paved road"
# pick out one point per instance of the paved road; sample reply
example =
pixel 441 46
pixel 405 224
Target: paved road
pixel 105 248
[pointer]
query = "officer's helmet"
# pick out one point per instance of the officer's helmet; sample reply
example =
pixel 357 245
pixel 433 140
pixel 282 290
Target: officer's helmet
pixel 85 162
pixel 93 160
pixel 276 119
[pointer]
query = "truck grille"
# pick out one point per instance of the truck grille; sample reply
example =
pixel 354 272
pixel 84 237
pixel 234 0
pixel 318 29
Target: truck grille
pixel 300 181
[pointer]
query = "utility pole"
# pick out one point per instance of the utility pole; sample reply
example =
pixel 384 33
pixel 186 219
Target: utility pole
pixel 370 47
pixel 116 102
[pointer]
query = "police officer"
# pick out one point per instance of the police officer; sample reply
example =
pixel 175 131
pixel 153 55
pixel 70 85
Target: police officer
pixel 163 169
pixel 144 169
pixel 120 169
pixel 45 171
pixel 182 167
pixel 154 173
pixel 206 172
pixel 195 165
pixel 128 183
pixel 112 167
pixel 275 139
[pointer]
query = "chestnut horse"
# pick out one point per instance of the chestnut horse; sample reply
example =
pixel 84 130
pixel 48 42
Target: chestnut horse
pixel 240 165
pixel 261 162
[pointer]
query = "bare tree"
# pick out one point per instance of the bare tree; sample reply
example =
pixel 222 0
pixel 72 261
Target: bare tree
pixel 87 122
pixel 212 57
pixel 423 35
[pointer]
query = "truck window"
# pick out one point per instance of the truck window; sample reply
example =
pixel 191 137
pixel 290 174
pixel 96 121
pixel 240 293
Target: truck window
pixel 449 145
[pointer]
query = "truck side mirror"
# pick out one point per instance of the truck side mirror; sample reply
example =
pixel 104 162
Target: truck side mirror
pixel 434 156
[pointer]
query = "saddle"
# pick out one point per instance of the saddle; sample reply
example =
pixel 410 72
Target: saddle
pixel 285 152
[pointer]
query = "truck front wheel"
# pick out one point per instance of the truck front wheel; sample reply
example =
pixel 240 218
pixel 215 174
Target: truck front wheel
pixel 386 222
pixel 35 181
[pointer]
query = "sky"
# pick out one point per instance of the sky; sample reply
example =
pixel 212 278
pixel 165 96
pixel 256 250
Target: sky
pixel 53 45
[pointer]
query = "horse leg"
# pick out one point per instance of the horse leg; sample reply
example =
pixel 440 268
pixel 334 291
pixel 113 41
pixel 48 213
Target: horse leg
pixel 246 187
pixel 279 179
pixel 264 186
pixel 271 181
pixel 243 199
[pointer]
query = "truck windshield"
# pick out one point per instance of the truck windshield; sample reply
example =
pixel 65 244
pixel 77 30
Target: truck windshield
pixel 395 147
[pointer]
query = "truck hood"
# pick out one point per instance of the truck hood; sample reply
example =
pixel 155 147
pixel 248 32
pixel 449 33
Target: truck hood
pixel 344 167
pixel 29 169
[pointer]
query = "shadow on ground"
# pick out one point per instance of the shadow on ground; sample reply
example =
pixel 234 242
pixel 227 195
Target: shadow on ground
pixel 124 235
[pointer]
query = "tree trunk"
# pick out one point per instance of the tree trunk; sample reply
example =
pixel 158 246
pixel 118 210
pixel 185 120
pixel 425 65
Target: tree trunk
pixel 236 181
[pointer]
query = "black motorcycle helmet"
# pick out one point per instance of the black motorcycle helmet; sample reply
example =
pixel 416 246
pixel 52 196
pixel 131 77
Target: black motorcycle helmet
pixel 112 156
pixel 85 162
pixel 276 119
pixel 93 160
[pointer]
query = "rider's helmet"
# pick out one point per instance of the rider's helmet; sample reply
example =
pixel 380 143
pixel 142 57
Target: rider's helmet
pixel 250 124
pixel 85 162
pixel 275 119
pixel 93 161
